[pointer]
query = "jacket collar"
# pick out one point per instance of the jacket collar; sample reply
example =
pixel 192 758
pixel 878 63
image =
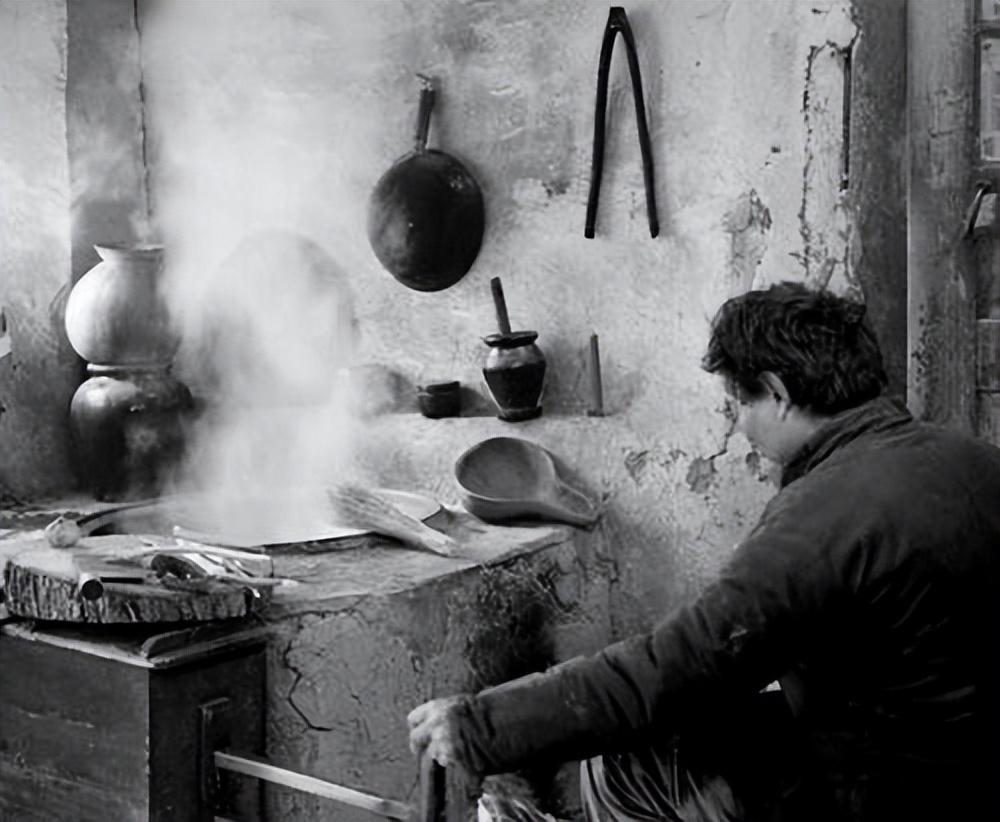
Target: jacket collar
pixel 876 415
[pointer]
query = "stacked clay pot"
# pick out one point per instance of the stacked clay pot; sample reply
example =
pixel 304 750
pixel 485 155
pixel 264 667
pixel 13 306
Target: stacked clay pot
pixel 128 417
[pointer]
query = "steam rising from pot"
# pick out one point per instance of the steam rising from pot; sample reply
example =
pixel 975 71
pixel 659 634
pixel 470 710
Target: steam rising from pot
pixel 251 197
pixel 264 342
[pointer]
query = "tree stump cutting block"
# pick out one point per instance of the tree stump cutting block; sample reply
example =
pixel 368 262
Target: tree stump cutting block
pixel 42 582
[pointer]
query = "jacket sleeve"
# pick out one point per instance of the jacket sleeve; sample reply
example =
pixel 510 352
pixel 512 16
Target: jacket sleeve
pixel 739 635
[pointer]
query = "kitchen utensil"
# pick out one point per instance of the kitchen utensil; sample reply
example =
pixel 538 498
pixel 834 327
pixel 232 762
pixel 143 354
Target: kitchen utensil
pixel 515 367
pixel 328 526
pixel 207 565
pixel 90 586
pixel 252 563
pixel 195 518
pixel 426 216
pixel 504 478
pixel 596 407
pixel 97 582
pixel 618 22
pixel 440 399
pixel 500 305
pixel 93 575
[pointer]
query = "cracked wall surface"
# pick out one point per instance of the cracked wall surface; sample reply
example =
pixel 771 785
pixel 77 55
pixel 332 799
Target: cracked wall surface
pixel 344 673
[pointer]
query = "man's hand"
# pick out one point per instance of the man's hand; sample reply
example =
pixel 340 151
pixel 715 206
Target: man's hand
pixel 434 727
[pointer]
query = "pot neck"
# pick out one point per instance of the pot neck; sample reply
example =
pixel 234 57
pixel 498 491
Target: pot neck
pixel 138 252
pixel 128 369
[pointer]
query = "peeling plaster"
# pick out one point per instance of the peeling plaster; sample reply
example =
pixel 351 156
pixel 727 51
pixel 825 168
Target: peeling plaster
pixel 700 474
pixel 823 220
pixel 635 464
pixel 747 224
pixel 702 469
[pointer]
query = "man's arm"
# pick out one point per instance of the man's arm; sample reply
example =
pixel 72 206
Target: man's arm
pixel 741 634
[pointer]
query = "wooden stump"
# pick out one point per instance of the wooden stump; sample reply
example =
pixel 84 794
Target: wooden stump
pixel 42 582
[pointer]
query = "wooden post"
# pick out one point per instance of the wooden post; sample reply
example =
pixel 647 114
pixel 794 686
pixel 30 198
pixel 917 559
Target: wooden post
pixel 984 227
pixel 941 372
pixel 876 192
pixel 988 337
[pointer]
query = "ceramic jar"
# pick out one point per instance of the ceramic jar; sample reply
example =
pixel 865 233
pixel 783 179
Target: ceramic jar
pixel 115 313
pixel 128 426
pixel 515 374
pixel 440 399
pixel 127 419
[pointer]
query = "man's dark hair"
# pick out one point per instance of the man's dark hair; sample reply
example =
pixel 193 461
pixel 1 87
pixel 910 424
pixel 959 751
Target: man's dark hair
pixel 819 344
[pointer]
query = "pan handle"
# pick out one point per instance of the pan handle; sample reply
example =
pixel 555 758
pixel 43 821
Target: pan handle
pixel 424 112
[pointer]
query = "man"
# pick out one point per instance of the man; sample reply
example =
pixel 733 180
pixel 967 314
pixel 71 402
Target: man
pixel 868 589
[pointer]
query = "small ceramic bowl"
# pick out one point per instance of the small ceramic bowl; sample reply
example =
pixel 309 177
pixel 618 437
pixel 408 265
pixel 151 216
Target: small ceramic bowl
pixel 440 399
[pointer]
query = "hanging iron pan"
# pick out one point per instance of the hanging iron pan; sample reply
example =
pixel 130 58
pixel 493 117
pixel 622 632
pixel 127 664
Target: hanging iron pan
pixel 426 216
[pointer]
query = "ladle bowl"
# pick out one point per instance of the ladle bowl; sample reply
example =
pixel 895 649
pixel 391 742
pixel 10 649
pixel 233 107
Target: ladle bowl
pixel 504 478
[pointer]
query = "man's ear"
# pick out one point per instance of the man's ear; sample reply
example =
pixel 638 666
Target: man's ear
pixel 776 387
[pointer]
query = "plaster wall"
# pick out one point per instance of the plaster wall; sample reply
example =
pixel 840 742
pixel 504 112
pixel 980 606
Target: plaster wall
pixel 37 379
pixel 285 115
pixel 71 175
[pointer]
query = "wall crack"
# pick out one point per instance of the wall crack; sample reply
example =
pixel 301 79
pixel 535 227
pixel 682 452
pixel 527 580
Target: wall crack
pixel 702 470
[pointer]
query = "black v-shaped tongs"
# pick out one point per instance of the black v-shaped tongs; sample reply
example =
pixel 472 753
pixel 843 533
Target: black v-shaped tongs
pixel 618 22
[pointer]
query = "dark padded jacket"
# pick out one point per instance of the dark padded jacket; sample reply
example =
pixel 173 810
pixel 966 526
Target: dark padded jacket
pixel 868 589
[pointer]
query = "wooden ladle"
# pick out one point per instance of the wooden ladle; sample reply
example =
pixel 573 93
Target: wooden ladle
pixel 505 478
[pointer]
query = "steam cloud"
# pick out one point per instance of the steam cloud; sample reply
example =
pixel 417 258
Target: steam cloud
pixel 264 310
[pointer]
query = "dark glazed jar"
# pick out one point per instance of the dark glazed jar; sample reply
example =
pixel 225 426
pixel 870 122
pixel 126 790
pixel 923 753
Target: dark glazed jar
pixel 128 426
pixel 515 374
pixel 440 399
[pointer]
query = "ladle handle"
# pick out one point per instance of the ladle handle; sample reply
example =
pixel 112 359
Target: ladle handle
pixel 564 514
pixel 500 304
pixel 424 110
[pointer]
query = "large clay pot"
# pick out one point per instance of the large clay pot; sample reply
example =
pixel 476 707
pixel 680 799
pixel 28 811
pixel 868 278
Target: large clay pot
pixel 128 426
pixel 115 314
pixel 515 374
pixel 128 417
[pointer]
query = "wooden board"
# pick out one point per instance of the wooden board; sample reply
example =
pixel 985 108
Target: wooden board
pixel 41 582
